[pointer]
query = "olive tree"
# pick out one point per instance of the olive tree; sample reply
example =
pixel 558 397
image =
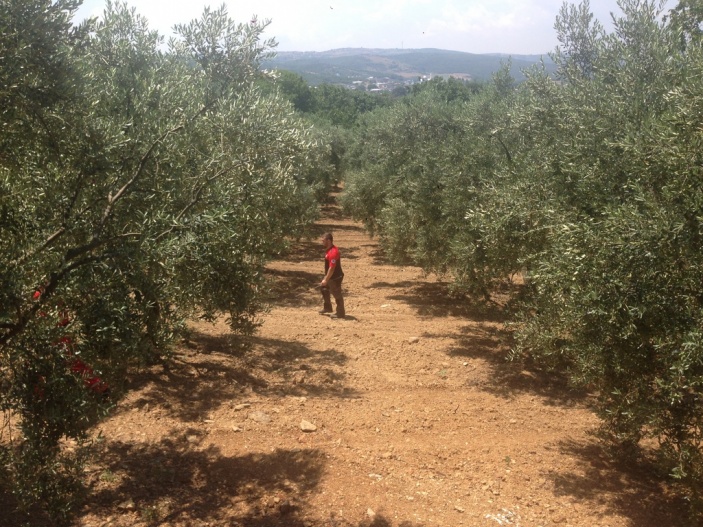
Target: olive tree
pixel 589 182
pixel 141 183
pixel 616 285
pixel 426 173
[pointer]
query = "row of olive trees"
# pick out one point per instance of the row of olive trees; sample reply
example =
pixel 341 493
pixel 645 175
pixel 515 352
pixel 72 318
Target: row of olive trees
pixel 423 173
pixel 333 111
pixel 617 287
pixel 589 183
pixel 141 183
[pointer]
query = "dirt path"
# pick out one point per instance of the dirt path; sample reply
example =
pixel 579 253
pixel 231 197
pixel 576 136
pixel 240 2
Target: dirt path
pixel 419 420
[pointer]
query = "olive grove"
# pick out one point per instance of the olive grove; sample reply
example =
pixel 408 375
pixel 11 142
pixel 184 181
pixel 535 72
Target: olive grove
pixel 142 183
pixel 588 184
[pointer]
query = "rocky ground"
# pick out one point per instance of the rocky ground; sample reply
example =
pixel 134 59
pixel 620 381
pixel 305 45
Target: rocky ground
pixel 404 414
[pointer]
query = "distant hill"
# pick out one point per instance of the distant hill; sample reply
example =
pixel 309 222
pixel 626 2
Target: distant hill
pixel 344 66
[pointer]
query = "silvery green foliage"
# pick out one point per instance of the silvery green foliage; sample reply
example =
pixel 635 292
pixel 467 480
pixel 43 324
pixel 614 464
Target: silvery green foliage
pixel 141 183
pixel 616 286
pixel 424 174
pixel 589 182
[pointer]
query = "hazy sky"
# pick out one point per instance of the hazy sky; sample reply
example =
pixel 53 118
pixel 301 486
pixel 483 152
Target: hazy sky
pixel 476 26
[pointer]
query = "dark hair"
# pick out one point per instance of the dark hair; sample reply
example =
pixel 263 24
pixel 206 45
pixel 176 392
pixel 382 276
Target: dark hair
pixel 328 236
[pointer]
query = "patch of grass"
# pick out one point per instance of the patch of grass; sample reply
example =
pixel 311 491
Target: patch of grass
pixel 108 476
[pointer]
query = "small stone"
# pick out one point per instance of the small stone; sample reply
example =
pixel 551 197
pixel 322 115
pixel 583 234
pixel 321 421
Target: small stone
pixel 260 417
pixel 414 340
pixel 192 439
pixel 370 513
pixel 307 426
pixel 242 406
pixel 385 306
pixel 127 505
pixel 459 509
pixel 236 429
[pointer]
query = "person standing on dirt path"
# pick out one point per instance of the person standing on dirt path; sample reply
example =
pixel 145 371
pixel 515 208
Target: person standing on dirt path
pixel 332 282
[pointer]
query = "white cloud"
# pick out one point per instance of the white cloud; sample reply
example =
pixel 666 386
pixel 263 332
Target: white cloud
pixel 477 26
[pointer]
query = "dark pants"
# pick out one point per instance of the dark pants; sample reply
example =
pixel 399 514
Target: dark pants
pixel 334 287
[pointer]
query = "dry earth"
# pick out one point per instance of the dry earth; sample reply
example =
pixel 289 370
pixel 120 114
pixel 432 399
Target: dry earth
pixel 419 419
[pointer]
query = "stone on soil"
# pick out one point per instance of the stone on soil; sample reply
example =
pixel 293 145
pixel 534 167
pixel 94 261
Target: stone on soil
pixel 259 417
pixel 307 426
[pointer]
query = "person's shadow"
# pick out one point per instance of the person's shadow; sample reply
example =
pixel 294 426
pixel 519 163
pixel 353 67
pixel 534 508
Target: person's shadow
pixel 346 318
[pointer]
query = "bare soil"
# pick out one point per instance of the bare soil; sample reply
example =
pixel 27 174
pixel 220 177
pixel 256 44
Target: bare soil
pixel 420 419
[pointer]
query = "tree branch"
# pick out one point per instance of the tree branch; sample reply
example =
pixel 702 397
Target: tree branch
pixel 505 148
pixel 52 238
pixel 23 318
pixel 194 201
pixel 112 200
pixel 26 256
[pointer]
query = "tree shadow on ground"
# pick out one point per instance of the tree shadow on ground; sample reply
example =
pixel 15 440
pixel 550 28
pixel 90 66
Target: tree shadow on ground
pixel 307 250
pixel 292 288
pixel 434 299
pixel 215 370
pixel 329 208
pixel 181 480
pixel 322 228
pixel 630 488
pixel 634 488
pixel 12 517
pixel 168 481
pixel 349 252
pixel 405 284
pixel 301 371
pixel 332 211
pixel 379 257
pixel 190 387
pixel 508 378
pixel 297 288
pixel 310 250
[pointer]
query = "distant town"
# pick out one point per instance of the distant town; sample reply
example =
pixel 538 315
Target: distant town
pixel 387 84
pixel 392 69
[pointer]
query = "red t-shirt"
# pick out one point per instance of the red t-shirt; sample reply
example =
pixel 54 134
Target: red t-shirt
pixel 333 258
